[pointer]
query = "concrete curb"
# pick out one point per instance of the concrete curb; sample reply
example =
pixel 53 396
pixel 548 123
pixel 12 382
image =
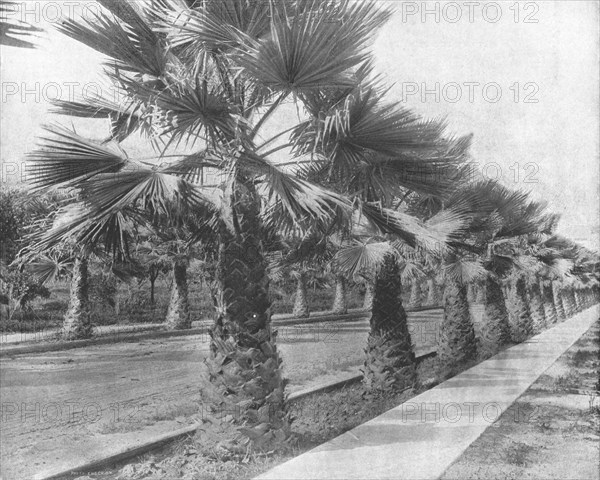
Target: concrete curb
pixel 350 380
pixel 124 454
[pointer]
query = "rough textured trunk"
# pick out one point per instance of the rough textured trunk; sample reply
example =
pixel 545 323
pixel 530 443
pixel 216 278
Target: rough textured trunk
pixel 518 312
pixel 390 360
pixel 456 342
pixel 77 322
pixel 568 301
pixel 536 307
pixel 578 300
pixel 301 302
pixel 471 293
pixel 549 305
pixel 369 294
pixel 433 294
pixel 244 366
pixel 152 282
pixel 415 295
pixel 340 305
pixel 178 313
pixel 558 302
pixel 480 294
pixel 496 329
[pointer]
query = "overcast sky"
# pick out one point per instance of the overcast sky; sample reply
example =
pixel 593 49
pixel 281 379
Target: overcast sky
pixel 522 77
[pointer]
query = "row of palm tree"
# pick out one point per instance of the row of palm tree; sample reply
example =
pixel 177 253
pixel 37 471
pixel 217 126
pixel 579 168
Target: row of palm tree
pixel 206 85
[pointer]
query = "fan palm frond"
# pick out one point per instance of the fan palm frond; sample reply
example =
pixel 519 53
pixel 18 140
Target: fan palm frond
pixel 49 268
pixel 314 47
pixel 63 158
pixel 212 26
pixel 124 118
pixel 360 257
pixel 464 270
pixel 133 45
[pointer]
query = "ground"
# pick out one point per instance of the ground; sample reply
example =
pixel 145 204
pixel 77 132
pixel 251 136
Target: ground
pixel 551 432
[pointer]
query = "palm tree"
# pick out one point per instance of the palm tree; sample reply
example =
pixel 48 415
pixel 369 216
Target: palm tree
pixel 550 308
pixel 390 360
pixel 456 342
pixel 203 81
pixel 416 294
pixel 389 363
pixel 77 323
pixel 178 313
pixel 433 294
pixel 340 301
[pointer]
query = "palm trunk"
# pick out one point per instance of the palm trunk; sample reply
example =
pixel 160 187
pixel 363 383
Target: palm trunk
pixel 568 301
pixel 538 315
pixel 558 302
pixel 549 306
pixel 496 328
pixel 340 305
pixel 178 313
pixel 480 294
pixel 578 299
pixel 390 360
pixel 456 342
pixel 77 323
pixel 433 296
pixel 519 314
pixel 244 366
pixel 415 295
pixel 301 302
pixel 152 300
pixel 369 295
pixel 471 293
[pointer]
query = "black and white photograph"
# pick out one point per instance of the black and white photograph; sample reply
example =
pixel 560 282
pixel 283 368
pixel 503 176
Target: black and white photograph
pixel 299 240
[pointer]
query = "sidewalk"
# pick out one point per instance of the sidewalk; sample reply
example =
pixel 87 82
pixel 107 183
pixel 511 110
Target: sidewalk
pixel 420 439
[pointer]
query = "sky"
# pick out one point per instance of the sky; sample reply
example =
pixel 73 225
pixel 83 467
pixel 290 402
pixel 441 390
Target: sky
pixel 522 77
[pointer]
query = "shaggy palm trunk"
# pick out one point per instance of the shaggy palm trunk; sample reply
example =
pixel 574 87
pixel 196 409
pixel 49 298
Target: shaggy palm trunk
pixel 549 306
pixel 496 329
pixel 433 295
pixel 536 307
pixel 301 302
pixel 568 300
pixel 519 315
pixel 415 295
pixel 178 313
pixel 77 323
pixel 471 293
pixel 558 302
pixel 244 366
pixel 340 305
pixel 390 360
pixel 456 342
pixel 578 299
pixel 480 294
pixel 369 294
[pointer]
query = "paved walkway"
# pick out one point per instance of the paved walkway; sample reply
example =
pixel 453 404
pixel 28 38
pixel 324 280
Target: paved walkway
pixel 421 438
